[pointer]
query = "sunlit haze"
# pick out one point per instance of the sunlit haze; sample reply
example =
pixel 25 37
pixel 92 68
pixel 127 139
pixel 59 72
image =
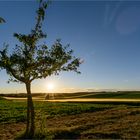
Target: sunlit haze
pixel 104 34
pixel 50 86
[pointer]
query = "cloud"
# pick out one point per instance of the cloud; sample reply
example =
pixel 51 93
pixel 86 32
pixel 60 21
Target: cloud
pixel 109 16
pixel 126 81
pixel 128 21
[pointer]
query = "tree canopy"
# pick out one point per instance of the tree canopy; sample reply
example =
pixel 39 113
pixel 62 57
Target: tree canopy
pixel 31 61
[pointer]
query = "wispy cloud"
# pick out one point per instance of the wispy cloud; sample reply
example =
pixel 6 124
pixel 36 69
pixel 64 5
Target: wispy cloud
pixel 110 15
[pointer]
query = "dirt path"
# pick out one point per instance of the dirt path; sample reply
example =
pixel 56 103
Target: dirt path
pixel 94 100
pixel 9 131
pixel 78 100
pixel 19 98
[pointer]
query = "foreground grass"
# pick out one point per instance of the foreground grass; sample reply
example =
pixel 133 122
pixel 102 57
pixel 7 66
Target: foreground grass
pixel 72 120
pixel 15 111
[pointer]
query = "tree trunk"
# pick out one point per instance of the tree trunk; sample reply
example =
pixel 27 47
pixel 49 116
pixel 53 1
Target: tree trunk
pixel 30 127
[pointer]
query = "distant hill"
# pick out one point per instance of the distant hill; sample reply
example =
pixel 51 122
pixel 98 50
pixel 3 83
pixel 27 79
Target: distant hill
pixel 105 94
pixel 118 94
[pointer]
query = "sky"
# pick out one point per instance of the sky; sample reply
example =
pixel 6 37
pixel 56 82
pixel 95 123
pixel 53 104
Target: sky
pixel 105 34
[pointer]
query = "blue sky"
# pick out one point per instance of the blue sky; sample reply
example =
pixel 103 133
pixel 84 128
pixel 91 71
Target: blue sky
pixel 105 34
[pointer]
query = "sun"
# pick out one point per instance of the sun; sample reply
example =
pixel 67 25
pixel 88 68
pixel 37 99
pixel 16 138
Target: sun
pixel 50 86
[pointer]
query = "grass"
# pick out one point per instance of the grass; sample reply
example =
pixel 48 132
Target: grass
pixel 114 95
pixel 119 95
pixel 72 120
pixel 13 111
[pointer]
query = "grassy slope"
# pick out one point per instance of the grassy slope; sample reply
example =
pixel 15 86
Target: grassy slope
pixel 126 95
pixel 15 111
pixel 116 95
pixel 72 120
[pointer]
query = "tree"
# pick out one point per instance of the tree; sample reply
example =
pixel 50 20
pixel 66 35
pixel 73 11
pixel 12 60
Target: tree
pixel 30 61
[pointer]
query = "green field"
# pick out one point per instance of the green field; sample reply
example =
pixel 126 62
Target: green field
pixel 72 120
pixel 109 95
pixel 112 95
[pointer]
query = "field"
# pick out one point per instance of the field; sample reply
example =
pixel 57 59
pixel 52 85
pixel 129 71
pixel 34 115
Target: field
pixel 69 120
pixel 80 95
pixel 103 95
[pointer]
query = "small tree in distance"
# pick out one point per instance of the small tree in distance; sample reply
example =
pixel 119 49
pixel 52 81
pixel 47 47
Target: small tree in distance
pixel 30 61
